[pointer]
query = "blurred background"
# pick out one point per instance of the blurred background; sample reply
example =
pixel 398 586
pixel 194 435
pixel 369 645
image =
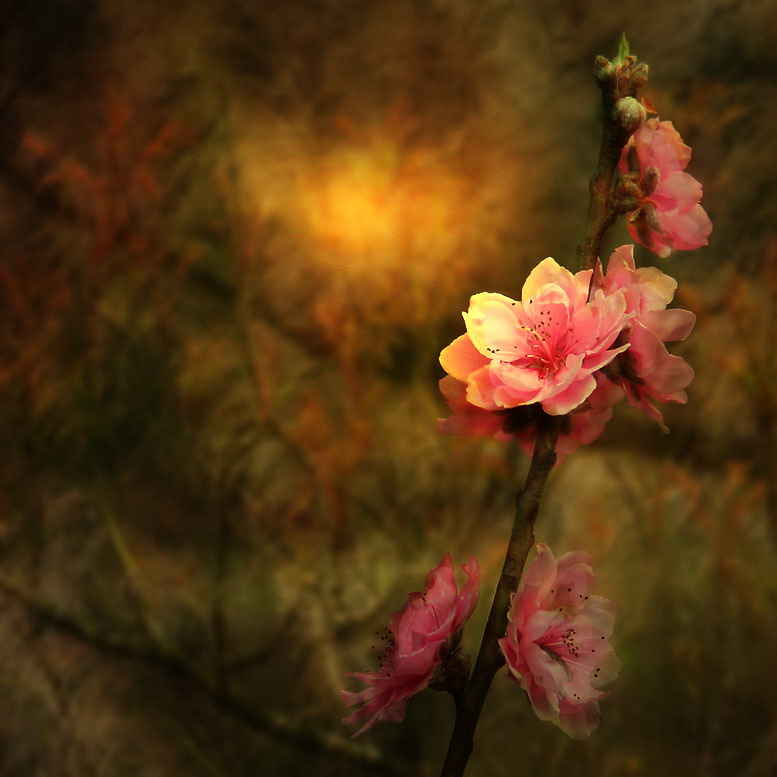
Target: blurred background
pixel 235 237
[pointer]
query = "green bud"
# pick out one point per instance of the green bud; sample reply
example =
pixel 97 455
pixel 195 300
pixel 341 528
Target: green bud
pixel 603 69
pixel 623 50
pixel 629 113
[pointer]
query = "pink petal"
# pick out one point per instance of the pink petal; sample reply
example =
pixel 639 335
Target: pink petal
pixel 480 389
pixel 466 418
pixel 622 258
pixel 669 378
pixel 689 229
pixel 676 190
pixel 541 572
pixel 669 325
pixel 603 358
pixel 468 597
pixel 571 397
pixel 549 271
pixel 441 584
pixel 656 243
pixel 492 324
pixel 581 722
pixel 656 289
pixel 460 359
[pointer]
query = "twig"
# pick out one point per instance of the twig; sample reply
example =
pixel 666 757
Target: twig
pixel 619 79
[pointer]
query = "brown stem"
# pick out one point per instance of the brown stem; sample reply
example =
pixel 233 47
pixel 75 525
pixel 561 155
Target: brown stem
pixel 601 215
pixel 527 502
pixel 622 80
pixel 619 79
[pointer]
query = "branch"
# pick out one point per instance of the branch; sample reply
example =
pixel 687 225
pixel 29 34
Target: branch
pixel 619 82
pixel 623 114
pixel 489 660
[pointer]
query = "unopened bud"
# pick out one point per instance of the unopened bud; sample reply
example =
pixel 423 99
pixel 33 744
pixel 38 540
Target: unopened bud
pixel 639 75
pixel 629 113
pixel 603 69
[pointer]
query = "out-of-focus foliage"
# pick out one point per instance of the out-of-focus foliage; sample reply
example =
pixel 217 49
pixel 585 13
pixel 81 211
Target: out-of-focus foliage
pixel 235 237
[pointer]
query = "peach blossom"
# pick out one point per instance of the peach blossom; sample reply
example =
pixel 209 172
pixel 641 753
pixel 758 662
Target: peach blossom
pixel 647 371
pixel 418 635
pixel 542 349
pixel 668 214
pixel 557 644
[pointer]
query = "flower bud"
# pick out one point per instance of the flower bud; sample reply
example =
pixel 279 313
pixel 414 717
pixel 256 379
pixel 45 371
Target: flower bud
pixel 603 69
pixel 629 113
pixel 639 75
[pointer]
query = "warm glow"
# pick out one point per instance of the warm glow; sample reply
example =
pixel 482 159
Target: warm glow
pixel 374 207
pixel 372 204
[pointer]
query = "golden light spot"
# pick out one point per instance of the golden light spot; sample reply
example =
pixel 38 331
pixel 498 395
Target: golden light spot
pixel 398 227
pixel 373 205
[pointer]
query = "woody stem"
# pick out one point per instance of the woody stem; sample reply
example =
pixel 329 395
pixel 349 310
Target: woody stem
pixel 489 659
pixel 601 213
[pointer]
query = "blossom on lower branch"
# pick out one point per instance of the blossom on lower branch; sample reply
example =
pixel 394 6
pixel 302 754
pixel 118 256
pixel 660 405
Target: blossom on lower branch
pixel 419 635
pixel 557 645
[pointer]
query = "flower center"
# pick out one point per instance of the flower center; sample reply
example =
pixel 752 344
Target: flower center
pixel 548 340
pixel 565 642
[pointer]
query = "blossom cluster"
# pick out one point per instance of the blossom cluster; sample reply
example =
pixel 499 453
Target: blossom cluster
pixel 572 346
pixel 575 345
pixel 556 644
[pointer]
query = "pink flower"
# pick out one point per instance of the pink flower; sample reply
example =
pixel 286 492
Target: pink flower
pixel 557 645
pixel 418 635
pixel 543 349
pixel 647 370
pixel 583 425
pixel 668 214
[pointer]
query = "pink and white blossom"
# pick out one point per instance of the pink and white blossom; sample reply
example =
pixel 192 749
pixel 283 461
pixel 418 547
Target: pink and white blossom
pixel 647 371
pixel 668 214
pixel 418 635
pixel 557 642
pixel 542 349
